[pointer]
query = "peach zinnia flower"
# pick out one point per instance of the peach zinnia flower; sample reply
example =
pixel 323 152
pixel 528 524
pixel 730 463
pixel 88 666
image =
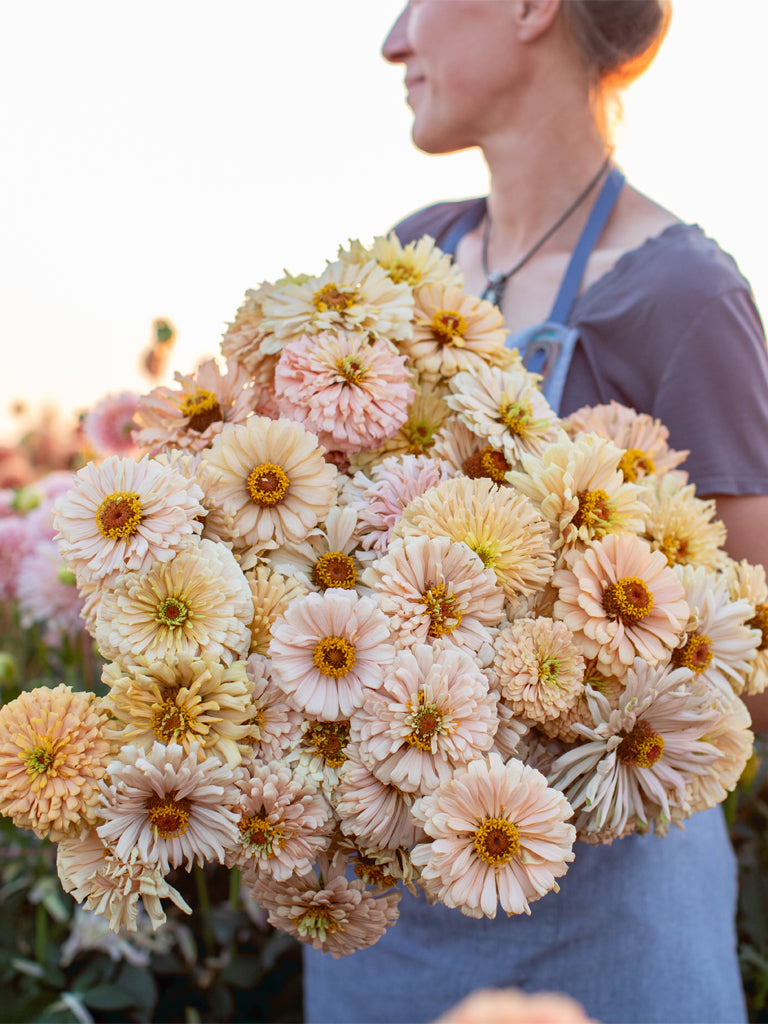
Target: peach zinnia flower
pixel 499 838
pixel 273 479
pixel 89 870
pixel 328 650
pixel 434 589
pixel 199 602
pixel 284 822
pixel 125 515
pixel 683 526
pixel 327 910
pixel 274 726
pixel 53 752
pixel 511 1006
pixel 350 391
pixel 500 526
pixel 733 738
pixel 433 711
pixel 183 701
pixel 169 805
pixel 378 815
pixel 745 580
pixel 620 599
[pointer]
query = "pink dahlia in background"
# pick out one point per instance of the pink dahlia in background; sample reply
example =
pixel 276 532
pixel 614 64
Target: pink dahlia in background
pixel 125 514
pixel 191 416
pixel 47 594
pixel 499 837
pixel 621 600
pixel 272 478
pixel 169 805
pixel 328 650
pixel 108 425
pixel 350 391
pixel 327 910
pixel 285 822
pixel 15 544
pixel 432 713
pixel 53 752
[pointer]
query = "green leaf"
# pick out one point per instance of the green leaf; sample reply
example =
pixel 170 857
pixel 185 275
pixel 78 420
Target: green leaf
pixel 108 997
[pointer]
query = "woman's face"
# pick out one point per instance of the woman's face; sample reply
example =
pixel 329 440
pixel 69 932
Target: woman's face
pixel 462 68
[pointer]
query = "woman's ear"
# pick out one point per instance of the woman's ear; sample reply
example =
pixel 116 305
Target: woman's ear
pixel 534 17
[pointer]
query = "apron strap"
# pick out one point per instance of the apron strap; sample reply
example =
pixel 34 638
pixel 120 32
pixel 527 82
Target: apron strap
pixel 599 214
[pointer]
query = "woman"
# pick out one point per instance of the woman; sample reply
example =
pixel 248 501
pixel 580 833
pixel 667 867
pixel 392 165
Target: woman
pixel 642 930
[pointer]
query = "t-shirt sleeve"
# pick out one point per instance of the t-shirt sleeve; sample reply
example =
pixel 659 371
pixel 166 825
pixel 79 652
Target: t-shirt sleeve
pixel 713 395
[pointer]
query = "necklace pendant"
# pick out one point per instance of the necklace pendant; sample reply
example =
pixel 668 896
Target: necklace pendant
pixel 494 289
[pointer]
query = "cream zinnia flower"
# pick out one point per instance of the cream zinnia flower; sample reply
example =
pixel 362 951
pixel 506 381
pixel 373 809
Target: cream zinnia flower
pixel 183 701
pixel 538 667
pixel 683 526
pixel 326 560
pixel 112 888
pixel 344 297
pixel 621 600
pixel 53 752
pixel 328 911
pixel 190 416
pixel 273 479
pixel 635 764
pixel 433 711
pixel 415 264
pixel 321 752
pixel 499 838
pixel 328 650
pixel 734 740
pixel 272 593
pixel 426 416
pixel 748 581
pixel 437 590
pixel 500 526
pixel 170 806
pixel 125 514
pixel 197 603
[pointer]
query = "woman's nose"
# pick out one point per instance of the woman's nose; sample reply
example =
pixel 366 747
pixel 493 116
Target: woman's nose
pixel 395 47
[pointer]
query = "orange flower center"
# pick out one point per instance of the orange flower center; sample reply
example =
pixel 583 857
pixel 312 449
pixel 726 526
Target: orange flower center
pixel 266 484
pixel 170 723
pixel 328 739
pixel 497 841
pixel 372 873
pixel 331 298
pixel 167 816
pixel 334 569
pixel 334 656
pixel 403 273
pixel 449 327
pixel 172 612
pixel 634 463
pixel 260 836
pixel 203 409
pixel 675 549
pixel 760 621
pixel 40 759
pixel 629 599
pixel 119 515
pixel 696 654
pixel 641 748
pixel 352 369
pixel 443 610
pixel 489 462
pixel 595 511
pixel 516 417
pixel 426 723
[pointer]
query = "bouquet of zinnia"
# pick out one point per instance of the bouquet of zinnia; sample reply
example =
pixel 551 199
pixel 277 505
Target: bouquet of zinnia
pixel 375 616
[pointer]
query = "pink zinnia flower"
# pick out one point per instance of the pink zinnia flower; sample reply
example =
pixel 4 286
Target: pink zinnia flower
pixel 15 545
pixel 48 595
pixel 108 424
pixel 376 814
pixel 350 391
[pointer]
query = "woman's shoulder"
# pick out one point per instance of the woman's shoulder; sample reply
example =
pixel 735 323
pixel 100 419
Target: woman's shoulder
pixel 435 220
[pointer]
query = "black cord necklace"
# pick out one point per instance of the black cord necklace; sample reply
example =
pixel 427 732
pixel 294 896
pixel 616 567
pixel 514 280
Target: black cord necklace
pixel 497 282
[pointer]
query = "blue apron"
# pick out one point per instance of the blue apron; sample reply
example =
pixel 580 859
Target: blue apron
pixel 547 348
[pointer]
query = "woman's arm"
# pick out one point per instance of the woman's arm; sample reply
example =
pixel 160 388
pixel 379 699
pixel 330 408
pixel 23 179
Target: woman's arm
pixel 746 519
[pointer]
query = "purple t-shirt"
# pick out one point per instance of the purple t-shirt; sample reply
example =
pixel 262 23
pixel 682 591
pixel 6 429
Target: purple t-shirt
pixel 671 330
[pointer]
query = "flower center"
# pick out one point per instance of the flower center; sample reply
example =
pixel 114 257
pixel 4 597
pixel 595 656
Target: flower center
pixel 119 515
pixel 167 816
pixel 641 748
pixel 316 923
pixel 549 671
pixel 594 511
pixel 40 759
pixel 489 462
pixel 449 327
pixel 170 723
pixel 267 484
pixel 443 610
pixel 635 462
pixel 334 656
pixel 497 841
pixel 695 654
pixel 629 599
pixel 675 549
pixel 352 369
pixel 172 612
pixel 485 552
pixel 334 569
pixel 516 416
pixel 328 739
pixel 760 621
pixel 403 273
pixel 203 409
pixel 426 723
pixel 260 837
pixel 372 873
pixel 330 298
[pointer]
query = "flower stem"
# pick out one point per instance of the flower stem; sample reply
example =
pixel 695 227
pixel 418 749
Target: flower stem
pixel 234 887
pixel 204 904
pixel 41 934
